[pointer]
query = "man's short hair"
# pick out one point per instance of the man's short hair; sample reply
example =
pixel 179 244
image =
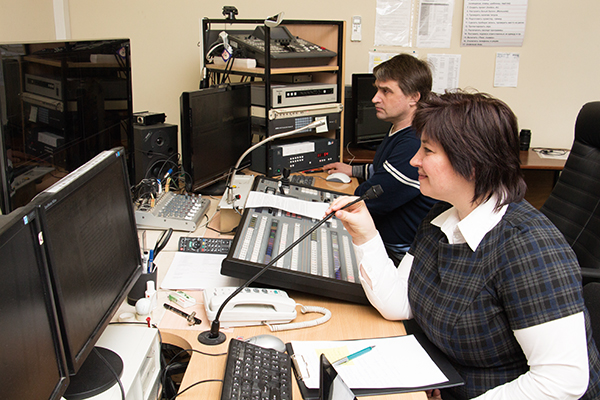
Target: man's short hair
pixel 412 75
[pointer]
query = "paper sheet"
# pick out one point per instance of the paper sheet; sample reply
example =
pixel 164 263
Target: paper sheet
pixel 507 70
pixel 435 23
pixel 494 23
pixel 195 271
pixel 394 362
pixel 445 69
pixel 392 22
pixel 308 209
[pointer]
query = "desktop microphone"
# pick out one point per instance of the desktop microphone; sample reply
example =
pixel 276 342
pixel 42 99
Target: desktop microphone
pixel 215 336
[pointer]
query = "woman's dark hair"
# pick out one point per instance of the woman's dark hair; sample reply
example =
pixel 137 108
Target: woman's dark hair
pixel 479 134
pixel 412 75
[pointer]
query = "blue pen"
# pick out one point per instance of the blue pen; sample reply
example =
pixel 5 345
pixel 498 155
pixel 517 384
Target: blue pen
pixel 354 355
pixel 150 261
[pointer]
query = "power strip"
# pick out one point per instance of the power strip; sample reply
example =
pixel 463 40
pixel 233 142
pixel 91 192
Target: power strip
pixel 234 200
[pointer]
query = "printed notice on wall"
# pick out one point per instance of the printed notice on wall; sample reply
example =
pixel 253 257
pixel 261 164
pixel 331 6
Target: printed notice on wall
pixel 507 70
pixel 392 23
pixel 376 58
pixel 445 69
pixel 435 23
pixel 494 23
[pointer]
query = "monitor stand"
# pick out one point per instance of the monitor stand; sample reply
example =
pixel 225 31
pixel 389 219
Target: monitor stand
pixel 94 376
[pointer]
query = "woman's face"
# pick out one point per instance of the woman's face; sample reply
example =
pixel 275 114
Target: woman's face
pixel 438 178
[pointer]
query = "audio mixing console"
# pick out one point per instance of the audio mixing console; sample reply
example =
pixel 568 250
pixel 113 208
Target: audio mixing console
pixel 322 264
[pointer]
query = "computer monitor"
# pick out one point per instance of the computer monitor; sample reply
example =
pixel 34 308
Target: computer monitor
pixel 215 132
pixel 369 130
pixel 32 361
pixel 61 103
pixel 94 257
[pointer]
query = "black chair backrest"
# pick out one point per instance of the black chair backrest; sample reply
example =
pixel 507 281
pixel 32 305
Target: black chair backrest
pixel 574 204
pixel 591 296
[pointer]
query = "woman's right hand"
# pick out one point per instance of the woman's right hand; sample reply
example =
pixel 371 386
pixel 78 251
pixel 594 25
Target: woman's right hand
pixel 355 218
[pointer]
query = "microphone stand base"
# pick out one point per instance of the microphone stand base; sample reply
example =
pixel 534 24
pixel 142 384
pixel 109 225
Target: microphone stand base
pixel 205 338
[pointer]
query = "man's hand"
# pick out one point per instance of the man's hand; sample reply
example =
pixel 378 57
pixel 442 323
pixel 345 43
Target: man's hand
pixel 338 167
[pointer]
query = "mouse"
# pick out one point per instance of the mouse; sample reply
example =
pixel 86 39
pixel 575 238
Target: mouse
pixel 268 342
pixel 339 177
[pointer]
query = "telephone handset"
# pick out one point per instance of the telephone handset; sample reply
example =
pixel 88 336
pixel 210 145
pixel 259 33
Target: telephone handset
pixel 252 306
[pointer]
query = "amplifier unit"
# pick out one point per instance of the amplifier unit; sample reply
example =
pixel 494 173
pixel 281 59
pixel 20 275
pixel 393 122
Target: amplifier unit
pixel 43 86
pixel 295 95
pixel 313 152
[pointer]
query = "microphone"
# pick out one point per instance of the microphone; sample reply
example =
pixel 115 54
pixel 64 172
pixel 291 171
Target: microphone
pixel 215 336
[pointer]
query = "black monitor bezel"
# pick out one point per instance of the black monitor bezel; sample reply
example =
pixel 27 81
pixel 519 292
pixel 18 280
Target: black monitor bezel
pixel 58 52
pixel 361 138
pixel 27 217
pixel 199 179
pixel 54 195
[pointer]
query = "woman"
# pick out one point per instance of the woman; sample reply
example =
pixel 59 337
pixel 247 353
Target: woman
pixel 488 278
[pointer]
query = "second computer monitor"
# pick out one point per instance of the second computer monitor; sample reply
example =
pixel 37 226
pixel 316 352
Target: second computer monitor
pixel 93 250
pixel 215 132
pixel 32 363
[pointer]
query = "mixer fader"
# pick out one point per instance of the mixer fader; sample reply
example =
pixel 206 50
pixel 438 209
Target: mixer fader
pixel 323 263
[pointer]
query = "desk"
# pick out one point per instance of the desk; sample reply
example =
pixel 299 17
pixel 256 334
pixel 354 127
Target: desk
pixel 540 173
pixel 348 321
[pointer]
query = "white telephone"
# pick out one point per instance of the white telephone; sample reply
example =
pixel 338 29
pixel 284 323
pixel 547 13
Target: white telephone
pixel 252 306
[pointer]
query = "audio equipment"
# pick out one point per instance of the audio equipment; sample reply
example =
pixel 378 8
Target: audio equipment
pixel 149 118
pixel 286 50
pixel 295 94
pixel 181 212
pixel 155 150
pixel 332 273
pixel 313 152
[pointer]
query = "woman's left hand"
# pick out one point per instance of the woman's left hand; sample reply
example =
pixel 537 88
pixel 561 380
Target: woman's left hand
pixel 434 394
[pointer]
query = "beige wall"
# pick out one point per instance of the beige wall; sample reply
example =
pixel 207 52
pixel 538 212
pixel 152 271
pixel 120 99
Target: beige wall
pixel 559 67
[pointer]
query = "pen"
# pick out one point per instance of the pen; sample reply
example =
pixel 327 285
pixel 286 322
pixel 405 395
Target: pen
pixel 353 355
pixel 191 318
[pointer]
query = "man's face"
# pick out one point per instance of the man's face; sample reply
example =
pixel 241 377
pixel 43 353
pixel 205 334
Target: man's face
pixel 391 104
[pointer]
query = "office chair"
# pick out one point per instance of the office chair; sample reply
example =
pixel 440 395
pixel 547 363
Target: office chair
pixel 574 204
pixel 591 297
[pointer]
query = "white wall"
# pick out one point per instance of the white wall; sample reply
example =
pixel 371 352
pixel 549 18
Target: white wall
pixel 559 67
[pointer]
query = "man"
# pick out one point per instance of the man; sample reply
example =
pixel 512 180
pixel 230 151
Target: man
pixel 401 82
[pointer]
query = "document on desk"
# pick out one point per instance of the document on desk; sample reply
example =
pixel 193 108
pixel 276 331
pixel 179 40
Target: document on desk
pixel 395 362
pixel 309 209
pixel 193 271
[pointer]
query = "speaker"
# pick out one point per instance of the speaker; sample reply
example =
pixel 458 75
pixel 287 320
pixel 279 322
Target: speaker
pixel 155 150
pixel 524 139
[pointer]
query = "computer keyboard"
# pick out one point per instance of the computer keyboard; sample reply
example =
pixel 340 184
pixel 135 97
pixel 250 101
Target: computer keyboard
pixel 303 180
pixel 253 372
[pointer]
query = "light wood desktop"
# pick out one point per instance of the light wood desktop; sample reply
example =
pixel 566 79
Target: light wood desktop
pixel 540 173
pixel 348 321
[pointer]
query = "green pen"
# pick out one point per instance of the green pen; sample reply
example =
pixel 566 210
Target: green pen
pixel 353 355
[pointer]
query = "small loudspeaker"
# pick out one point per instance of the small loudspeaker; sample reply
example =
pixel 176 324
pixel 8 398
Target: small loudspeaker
pixel 524 139
pixel 155 150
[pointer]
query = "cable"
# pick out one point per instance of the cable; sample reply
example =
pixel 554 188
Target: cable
pixel 304 324
pixel 112 371
pixel 196 384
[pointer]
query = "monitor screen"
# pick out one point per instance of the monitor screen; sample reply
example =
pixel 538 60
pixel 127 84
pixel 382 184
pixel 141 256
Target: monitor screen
pixel 215 132
pixel 61 103
pixel 368 129
pixel 32 363
pixel 92 248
